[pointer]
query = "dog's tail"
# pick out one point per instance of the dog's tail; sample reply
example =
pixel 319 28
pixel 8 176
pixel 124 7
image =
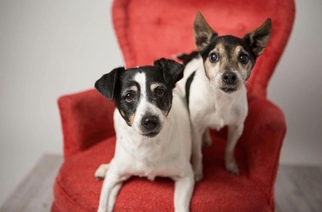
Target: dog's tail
pixel 186 58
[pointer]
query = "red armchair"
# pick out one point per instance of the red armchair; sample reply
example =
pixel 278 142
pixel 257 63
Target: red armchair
pixel 147 30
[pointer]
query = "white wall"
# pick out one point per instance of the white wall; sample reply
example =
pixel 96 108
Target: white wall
pixel 296 86
pixel 51 48
pixel 47 49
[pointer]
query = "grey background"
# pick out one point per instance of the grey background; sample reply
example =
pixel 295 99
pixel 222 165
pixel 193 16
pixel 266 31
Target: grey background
pixel 51 48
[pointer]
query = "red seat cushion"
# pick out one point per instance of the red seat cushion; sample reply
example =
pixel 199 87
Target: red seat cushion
pixel 76 188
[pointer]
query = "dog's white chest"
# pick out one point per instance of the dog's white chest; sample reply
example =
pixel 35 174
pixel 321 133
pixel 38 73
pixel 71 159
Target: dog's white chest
pixel 145 171
pixel 231 108
pixel 220 109
pixel 144 160
pixel 146 164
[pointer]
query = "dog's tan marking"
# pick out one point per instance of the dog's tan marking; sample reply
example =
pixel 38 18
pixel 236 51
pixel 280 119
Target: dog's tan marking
pixel 212 69
pixel 243 69
pixel 131 119
pixel 153 86
pixel 234 58
pixel 122 113
pixel 134 88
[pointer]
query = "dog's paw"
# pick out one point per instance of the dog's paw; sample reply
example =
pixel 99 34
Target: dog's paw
pixel 198 177
pixel 101 171
pixel 101 210
pixel 104 210
pixel 197 168
pixel 198 173
pixel 232 167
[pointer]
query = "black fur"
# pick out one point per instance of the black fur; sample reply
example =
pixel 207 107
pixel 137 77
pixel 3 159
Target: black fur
pixel 186 58
pixel 117 86
pixel 106 84
pixel 188 85
pixel 172 71
pixel 229 42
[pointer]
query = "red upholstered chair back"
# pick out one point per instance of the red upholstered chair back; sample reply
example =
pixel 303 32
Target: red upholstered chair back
pixel 150 29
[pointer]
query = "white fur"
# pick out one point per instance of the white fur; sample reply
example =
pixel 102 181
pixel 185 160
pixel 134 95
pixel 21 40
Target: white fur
pixel 166 155
pixel 211 107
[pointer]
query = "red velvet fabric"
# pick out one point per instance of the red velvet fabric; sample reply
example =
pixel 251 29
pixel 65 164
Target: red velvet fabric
pixel 148 30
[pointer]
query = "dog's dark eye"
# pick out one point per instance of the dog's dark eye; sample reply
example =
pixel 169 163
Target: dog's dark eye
pixel 159 92
pixel 243 58
pixel 129 97
pixel 213 57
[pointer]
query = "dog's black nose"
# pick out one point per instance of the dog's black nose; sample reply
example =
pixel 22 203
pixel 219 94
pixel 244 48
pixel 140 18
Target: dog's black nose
pixel 150 122
pixel 229 77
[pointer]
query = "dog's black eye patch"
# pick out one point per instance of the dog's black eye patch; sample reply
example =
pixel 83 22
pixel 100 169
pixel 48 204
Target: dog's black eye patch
pixel 160 95
pixel 159 92
pixel 130 96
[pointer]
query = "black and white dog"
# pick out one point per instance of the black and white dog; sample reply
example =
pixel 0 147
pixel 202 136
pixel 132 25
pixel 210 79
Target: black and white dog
pixel 214 85
pixel 153 130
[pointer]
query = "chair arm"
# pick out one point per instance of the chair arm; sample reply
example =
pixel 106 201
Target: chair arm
pixel 86 119
pixel 262 140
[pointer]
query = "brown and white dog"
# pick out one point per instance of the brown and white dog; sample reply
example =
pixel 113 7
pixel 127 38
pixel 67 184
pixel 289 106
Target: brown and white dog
pixel 214 85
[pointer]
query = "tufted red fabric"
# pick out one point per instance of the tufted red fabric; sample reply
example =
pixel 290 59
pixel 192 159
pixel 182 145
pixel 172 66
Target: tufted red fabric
pixel 148 30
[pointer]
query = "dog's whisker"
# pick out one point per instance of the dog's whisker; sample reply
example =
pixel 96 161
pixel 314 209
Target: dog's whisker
pixel 248 83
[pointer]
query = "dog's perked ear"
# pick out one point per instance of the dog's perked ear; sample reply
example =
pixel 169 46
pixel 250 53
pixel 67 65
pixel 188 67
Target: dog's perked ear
pixel 107 83
pixel 202 32
pixel 172 71
pixel 258 39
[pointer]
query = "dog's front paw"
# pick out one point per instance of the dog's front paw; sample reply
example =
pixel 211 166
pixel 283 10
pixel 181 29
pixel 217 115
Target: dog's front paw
pixel 232 166
pixel 101 171
pixel 197 170
pixel 101 210
pixel 104 210
pixel 198 176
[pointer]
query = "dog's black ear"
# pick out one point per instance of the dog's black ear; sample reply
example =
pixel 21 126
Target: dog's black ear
pixel 107 83
pixel 172 71
pixel 258 39
pixel 202 32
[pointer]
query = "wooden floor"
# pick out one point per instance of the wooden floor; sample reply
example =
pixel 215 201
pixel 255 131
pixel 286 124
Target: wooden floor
pixel 298 188
pixel 35 193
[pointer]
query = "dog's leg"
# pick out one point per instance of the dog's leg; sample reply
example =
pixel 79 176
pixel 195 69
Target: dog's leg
pixel 101 171
pixel 234 132
pixel 206 138
pixel 197 153
pixel 114 193
pixel 183 192
pixel 111 185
